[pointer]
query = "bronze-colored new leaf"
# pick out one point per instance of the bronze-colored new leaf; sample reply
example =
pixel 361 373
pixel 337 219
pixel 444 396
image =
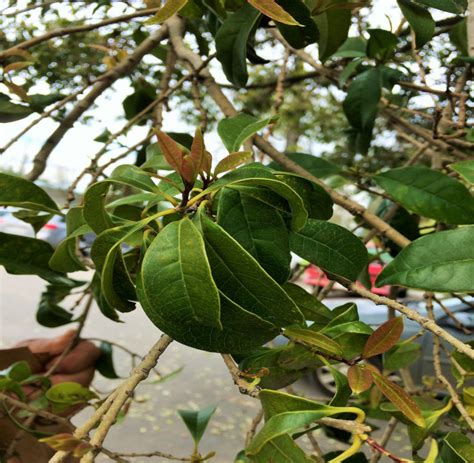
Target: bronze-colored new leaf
pixel 383 338
pixel 170 8
pixel 399 398
pixel 271 9
pixel 198 153
pixel 360 378
pixel 232 161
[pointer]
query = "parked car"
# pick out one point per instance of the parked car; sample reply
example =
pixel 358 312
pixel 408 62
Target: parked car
pixel 374 316
pixel 14 226
pixel 54 231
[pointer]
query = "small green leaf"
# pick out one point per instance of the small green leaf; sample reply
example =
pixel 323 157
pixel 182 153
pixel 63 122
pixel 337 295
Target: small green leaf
pixel 383 338
pixel 420 21
pixel 401 355
pixel 429 193
pixel 234 131
pixel 330 247
pixel 343 391
pixel 399 398
pixel 170 8
pixel 465 169
pixel 360 378
pixel 11 112
pixel 197 420
pixel 18 371
pixel 18 192
pixel 353 47
pixel 381 44
pixel 133 176
pixel 232 161
pixel 442 262
pixel 313 338
pixel 105 363
pixel 64 395
pixel 231 43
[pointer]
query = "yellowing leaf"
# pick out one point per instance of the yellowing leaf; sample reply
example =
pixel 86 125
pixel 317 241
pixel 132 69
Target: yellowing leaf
pixel 170 8
pixel 433 453
pixel 360 378
pixel 271 9
pixel 383 338
pixel 232 161
pixel 399 398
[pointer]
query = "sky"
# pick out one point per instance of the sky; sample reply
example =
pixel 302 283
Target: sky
pixel 77 148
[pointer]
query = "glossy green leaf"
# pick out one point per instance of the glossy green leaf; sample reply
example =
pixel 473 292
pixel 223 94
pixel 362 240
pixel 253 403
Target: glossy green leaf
pixel 330 247
pixel 232 161
pixel 457 448
pixel 94 212
pixel 317 166
pixel 420 21
pixel 313 338
pixel 18 371
pixel 197 420
pixel 64 395
pixel 177 279
pixel 441 262
pixel 234 131
pixel 353 47
pixel 133 176
pixel 451 6
pixel 401 355
pixel 282 449
pixel 105 362
pixel 231 44
pixel 381 44
pixel 465 169
pixel 242 279
pixel 402 401
pixel 11 112
pixel 32 260
pixel 384 337
pixel 359 378
pixel 316 200
pixel 296 36
pixel 18 192
pixel 333 28
pixel 429 193
pixel 258 228
pixel 343 391
pixel 309 305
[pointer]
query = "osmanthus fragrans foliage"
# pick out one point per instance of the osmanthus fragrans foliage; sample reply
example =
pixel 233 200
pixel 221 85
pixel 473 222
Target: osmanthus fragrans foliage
pixel 205 246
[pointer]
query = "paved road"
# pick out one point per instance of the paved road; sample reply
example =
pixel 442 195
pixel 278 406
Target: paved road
pixel 152 423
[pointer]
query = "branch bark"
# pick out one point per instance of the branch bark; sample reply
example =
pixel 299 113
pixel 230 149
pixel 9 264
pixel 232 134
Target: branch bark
pixel 123 68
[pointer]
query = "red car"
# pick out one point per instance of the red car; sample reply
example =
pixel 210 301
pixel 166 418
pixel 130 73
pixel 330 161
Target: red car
pixel 314 276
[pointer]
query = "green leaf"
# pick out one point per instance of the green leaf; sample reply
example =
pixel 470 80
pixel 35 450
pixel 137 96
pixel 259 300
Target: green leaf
pixel 94 207
pixel 34 218
pixel 234 131
pixel 353 47
pixel 32 260
pixel 197 420
pixel 298 37
pixel 399 398
pixel 381 44
pixel 442 262
pixel 429 193
pixel 18 192
pixel 105 362
pixel 282 449
pixel 310 306
pixel 362 100
pixel 170 8
pixel 359 378
pixel 401 355
pixel 343 391
pixel 64 395
pixel 330 247
pixel 11 112
pixel 317 200
pixel 258 228
pixel 457 448
pixel 239 276
pixel 313 338
pixel 177 279
pixel 333 28
pixel 232 161
pixel 49 312
pixel 384 337
pixel 451 6
pixel 465 169
pixel 231 43
pixel 133 176
pixel 420 21
pixel 18 371
pixel 317 166
pixel 285 413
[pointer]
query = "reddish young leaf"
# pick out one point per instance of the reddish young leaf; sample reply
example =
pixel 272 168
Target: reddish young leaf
pixel 399 398
pixel 198 152
pixel 232 161
pixel 384 337
pixel 271 9
pixel 171 151
pixel 360 378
